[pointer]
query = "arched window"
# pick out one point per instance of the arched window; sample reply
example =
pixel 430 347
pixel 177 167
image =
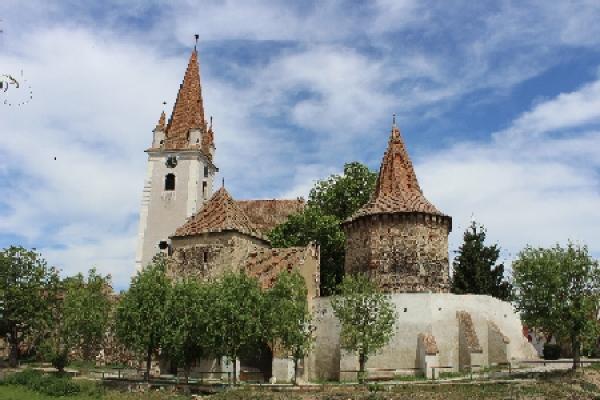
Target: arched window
pixel 170 182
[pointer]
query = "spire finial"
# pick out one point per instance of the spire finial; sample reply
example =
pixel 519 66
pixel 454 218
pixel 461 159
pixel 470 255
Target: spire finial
pixel 394 120
pixel 197 37
pixel 210 122
pixel 223 183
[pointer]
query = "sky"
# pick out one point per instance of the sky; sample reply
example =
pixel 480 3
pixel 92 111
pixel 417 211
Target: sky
pixel 498 103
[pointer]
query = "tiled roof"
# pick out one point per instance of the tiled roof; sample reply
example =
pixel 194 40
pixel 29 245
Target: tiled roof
pixel 160 126
pixel 397 189
pixel 220 213
pixel 265 264
pixel 267 214
pixel 188 113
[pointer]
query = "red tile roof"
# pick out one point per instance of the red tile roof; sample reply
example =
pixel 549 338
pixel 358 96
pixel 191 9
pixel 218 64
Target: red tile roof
pixel 397 189
pixel 220 213
pixel 160 125
pixel 267 214
pixel 265 264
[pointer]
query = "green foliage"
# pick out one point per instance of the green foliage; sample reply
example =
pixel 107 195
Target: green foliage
pixel 367 317
pixel 331 201
pixel 237 316
pixel 140 312
pixel 50 385
pixel 188 333
pixel 86 311
pixel 557 291
pixel 475 270
pixel 28 289
pixel 342 195
pixel 288 318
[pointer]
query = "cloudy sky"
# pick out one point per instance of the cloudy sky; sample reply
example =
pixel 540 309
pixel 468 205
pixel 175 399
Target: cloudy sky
pixel 498 102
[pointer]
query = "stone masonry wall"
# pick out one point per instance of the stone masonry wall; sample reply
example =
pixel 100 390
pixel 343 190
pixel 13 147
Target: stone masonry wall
pixel 221 250
pixel 400 252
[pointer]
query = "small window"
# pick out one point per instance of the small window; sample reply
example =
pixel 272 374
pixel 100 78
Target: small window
pixel 163 245
pixel 206 171
pixel 170 182
pixel 205 256
pixel 204 187
pixel 197 140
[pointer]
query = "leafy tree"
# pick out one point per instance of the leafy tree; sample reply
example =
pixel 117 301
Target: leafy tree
pixel 288 316
pixel 367 317
pixel 188 331
pixel 476 270
pixel 557 290
pixel 28 289
pixel 342 195
pixel 140 312
pixel 312 225
pixel 237 316
pixel 330 202
pixel 86 311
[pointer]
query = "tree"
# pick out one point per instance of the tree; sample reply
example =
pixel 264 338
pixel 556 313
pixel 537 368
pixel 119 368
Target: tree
pixel 342 195
pixel 288 316
pixel 312 225
pixel 367 317
pixel 237 316
pixel 140 312
pixel 476 270
pixel 86 311
pixel 28 289
pixel 188 331
pixel 331 201
pixel 557 291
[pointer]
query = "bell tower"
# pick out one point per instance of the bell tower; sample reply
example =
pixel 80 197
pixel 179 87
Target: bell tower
pixel 180 171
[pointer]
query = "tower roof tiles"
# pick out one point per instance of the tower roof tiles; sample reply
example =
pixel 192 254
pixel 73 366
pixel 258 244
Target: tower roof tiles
pixel 397 189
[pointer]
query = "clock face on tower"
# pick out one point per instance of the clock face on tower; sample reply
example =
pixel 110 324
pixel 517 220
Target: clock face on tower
pixel 15 90
pixel 171 162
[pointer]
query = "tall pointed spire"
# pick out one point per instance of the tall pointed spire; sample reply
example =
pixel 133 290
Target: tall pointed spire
pixel 397 189
pixel 160 125
pixel 188 111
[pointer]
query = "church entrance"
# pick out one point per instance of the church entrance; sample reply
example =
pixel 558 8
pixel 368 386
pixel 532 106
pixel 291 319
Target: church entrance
pixel 257 367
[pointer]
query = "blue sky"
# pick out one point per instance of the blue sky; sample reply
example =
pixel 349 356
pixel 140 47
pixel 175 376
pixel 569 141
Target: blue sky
pixel 498 102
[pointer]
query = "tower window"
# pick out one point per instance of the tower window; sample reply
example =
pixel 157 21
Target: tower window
pixel 170 182
pixel 205 256
pixel 206 171
pixel 204 186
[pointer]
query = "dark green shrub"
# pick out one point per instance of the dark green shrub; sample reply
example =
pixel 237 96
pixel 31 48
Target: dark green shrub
pixel 25 378
pixel 55 386
pixel 551 351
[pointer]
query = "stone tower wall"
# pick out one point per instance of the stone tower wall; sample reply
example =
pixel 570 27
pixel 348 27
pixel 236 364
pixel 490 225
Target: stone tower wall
pixel 400 252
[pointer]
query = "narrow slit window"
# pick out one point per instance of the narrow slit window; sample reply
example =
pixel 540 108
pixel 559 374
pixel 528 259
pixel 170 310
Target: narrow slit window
pixel 205 256
pixel 204 187
pixel 170 182
pixel 206 171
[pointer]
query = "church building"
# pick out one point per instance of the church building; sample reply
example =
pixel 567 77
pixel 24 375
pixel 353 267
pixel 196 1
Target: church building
pixel 399 239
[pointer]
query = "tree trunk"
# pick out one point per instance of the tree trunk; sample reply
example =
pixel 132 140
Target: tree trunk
pixel 234 361
pixel 575 347
pixel 13 340
pixel 148 363
pixel 362 360
pixel 295 371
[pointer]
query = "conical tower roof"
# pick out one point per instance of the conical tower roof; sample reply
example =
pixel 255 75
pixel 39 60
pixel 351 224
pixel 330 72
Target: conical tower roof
pixel 397 189
pixel 188 111
pixel 220 213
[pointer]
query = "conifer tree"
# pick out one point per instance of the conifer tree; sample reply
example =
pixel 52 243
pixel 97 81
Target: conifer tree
pixel 475 269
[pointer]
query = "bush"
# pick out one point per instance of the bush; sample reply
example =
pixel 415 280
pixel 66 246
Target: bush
pixel 47 384
pixel 551 351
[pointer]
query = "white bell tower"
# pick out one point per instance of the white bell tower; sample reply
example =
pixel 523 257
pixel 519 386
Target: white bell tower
pixel 180 172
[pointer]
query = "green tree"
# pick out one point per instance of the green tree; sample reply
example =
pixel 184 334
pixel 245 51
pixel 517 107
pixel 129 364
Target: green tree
pixel 238 318
pixel 367 317
pixel 557 291
pixel 312 225
pixel 475 269
pixel 28 289
pixel 188 331
pixel 331 201
pixel 86 311
pixel 140 312
pixel 342 195
pixel 288 317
